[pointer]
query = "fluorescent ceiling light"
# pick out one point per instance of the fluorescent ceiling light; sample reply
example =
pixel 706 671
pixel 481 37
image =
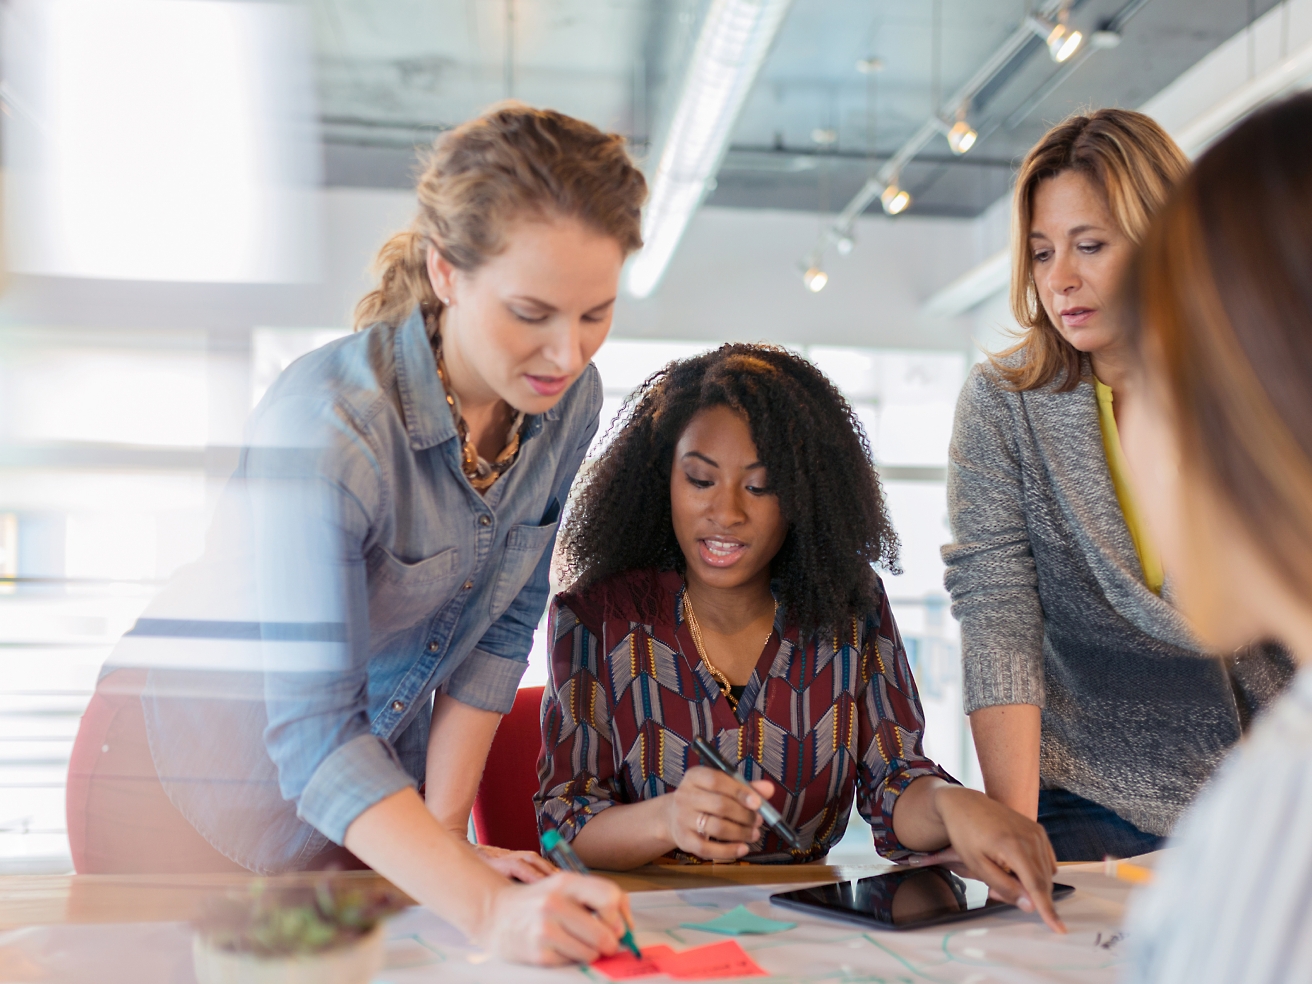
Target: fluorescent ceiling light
pixel 157 140
pixel 732 45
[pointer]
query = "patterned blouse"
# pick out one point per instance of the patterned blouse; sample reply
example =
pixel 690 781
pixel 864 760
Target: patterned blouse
pixel 823 721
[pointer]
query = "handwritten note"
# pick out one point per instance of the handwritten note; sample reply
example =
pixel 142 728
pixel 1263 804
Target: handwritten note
pixel 726 959
pixel 625 966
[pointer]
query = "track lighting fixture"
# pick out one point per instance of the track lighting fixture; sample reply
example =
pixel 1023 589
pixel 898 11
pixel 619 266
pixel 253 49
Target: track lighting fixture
pixel 1062 39
pixel 961 135
pixel 894 199
pixel 815 279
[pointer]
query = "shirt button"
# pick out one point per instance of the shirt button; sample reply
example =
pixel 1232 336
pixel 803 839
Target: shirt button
pixel 432 646
pixel 398 705
pixel 468 585
pixel 484 520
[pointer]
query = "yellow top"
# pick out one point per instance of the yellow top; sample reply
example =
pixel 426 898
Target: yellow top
pixel 1120 472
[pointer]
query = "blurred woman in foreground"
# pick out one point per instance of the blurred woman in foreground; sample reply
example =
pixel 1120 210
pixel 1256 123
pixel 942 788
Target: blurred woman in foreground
pixel 1219 438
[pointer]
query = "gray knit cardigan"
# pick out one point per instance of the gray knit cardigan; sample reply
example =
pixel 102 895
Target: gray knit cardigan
pixel 1050 594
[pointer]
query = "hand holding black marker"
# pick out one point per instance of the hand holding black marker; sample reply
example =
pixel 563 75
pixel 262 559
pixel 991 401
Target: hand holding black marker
pixel 768 813
pixel 558 849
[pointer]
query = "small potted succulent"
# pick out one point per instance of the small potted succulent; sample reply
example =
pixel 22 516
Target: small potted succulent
pixel 324 932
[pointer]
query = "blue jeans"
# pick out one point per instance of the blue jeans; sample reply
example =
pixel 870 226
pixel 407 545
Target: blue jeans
pixel 1081 830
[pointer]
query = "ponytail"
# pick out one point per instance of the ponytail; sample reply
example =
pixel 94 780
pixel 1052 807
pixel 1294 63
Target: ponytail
pixel 402 269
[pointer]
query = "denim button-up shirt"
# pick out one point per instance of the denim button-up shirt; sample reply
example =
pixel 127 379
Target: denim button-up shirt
pixel 358 572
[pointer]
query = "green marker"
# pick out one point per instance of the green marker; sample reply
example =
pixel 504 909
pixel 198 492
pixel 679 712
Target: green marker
pixel 558 849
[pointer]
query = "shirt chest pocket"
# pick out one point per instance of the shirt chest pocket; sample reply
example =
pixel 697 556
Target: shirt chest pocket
pixel 401 594
pixel 525 545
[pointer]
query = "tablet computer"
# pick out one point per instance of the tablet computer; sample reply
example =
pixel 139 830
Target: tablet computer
pixel 906 899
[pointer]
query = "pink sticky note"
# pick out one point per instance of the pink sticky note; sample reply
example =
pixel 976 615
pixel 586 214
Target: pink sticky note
pixel 727 959
pixel 623 965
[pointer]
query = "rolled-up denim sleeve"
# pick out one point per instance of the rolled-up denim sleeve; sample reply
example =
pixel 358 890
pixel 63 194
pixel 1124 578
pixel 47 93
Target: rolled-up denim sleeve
pixel 490 675
pixel 352 778
pixel 487 681
pixel 313 483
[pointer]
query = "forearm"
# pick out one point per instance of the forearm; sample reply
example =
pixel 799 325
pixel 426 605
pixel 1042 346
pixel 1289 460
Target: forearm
pixel 458 741
pixel 625 836
pixel 400 839
pixel 916 820
pixel 1007 743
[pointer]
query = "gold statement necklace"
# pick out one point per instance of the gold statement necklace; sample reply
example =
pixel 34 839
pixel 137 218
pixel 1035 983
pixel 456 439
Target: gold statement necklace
pixel 482 474
pixel 721 681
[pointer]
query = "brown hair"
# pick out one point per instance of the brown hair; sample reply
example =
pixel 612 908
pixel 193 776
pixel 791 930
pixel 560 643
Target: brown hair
pixel 1133 162
pixel 511 161
pixel 1220 298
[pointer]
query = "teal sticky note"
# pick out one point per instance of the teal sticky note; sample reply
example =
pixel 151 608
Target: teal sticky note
pixel 741 922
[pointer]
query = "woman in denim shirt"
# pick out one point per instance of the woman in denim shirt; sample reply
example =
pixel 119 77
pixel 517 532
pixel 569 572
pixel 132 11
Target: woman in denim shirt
pixel 379 562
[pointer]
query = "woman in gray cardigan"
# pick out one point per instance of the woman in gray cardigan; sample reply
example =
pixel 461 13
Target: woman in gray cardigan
pixel 1092 707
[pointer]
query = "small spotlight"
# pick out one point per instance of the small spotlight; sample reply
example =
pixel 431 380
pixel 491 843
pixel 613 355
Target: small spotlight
pixel 961 137
pixel 815 279
pixel 894 199
pixel 845 245
pixel 869 66
pixel 1062 40
pixel 824 136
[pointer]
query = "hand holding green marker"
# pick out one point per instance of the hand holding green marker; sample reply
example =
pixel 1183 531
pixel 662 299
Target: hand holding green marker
pixel 557 848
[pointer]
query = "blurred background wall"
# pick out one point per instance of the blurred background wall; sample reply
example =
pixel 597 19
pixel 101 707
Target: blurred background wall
pixel 193 191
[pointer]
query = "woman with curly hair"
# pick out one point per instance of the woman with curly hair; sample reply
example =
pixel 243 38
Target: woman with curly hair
pixel 721 553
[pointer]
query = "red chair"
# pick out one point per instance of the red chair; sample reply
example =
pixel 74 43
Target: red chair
pixel 503 809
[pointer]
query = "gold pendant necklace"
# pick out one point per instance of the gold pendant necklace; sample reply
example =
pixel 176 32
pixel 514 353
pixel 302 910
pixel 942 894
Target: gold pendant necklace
pixel 694 627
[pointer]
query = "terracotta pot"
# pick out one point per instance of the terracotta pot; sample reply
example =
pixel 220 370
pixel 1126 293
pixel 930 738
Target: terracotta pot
pixel 353 964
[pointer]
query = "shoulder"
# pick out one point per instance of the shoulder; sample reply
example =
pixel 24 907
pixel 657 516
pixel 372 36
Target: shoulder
pixel 874 618
pixel 986 383
pixel 640 596
pixel 354 376
pixel 323 407
pixel 879 619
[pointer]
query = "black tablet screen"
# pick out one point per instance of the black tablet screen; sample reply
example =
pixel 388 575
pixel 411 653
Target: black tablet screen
pixel 900 899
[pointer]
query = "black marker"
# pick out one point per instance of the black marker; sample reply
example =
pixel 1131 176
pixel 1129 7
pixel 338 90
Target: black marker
pixel 768 813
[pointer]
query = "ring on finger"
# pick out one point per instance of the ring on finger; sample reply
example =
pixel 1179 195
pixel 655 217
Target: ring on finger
pixel 701 824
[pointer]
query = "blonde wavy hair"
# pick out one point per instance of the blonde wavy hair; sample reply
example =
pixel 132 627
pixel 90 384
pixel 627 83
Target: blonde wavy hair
pixel 1135 164
pixel 513 161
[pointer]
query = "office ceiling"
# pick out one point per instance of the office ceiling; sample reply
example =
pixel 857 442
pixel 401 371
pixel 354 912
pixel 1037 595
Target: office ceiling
pixel 393 73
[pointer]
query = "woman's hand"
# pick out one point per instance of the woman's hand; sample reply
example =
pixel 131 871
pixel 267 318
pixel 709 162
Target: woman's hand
pixel 999 846
pixel 712 816
pixel 524 866
pixel 563 919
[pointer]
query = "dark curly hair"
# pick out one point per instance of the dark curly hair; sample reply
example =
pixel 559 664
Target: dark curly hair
pixel 814 451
